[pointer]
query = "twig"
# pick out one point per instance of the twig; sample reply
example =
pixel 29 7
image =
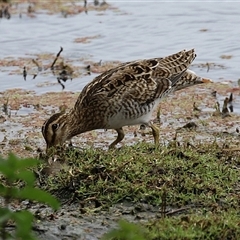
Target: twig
pixel 24 73
pixel 37 64
pixel 56 58
pixel 34 228
pixel 230 149
pixel 195 108
pixel 59 81
pixel 225 111
pixel 230 102
pixel 34 76
pixel 208 67
pixel 164 203
pixel 177 211
pixel 85 6
pixel 38 67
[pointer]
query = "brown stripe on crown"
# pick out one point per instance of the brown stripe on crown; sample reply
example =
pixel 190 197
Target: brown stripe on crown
pixel 49 121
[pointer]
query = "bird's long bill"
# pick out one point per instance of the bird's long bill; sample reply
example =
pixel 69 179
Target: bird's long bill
pixel 49 149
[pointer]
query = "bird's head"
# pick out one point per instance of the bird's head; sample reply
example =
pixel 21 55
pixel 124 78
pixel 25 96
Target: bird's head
pixel 55 130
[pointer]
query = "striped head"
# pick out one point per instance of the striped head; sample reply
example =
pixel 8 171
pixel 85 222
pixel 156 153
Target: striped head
pixel 55 130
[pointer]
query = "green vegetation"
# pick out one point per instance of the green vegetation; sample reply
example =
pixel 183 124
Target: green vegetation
pixel 199 175
pixel 126 231
pixel 17 183
pixel 193 191
pixel 195 188
pixel 208 226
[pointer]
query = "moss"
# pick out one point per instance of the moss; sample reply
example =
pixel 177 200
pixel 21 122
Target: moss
pixel 205 176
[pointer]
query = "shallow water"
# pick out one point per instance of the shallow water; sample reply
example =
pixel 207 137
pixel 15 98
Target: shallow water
pixel 137 30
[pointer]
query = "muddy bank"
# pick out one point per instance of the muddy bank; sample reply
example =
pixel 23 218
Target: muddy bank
pixel 24 112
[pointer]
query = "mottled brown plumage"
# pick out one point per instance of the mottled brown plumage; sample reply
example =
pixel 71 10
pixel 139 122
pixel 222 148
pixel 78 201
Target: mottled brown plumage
pixel 124 95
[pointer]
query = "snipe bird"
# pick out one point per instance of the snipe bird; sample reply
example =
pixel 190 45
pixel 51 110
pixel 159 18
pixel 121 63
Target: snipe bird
pixel 122 96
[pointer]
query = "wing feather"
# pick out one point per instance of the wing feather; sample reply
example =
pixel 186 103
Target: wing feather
pixel 144 80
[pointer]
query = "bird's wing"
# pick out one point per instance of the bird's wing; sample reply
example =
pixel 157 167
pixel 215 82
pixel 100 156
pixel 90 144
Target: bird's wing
pixel 144 80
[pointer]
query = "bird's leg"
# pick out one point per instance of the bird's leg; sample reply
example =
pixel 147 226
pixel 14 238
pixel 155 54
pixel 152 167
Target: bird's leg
pixel 119 138
pixel 155 132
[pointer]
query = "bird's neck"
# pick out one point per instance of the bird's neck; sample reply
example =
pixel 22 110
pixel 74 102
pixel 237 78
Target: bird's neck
pixel 80 121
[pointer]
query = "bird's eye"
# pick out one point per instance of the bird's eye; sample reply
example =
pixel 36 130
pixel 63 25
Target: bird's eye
pixel 55 126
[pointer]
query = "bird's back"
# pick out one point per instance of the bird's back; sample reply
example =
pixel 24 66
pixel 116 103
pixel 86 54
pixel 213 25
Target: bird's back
pixel 132 89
